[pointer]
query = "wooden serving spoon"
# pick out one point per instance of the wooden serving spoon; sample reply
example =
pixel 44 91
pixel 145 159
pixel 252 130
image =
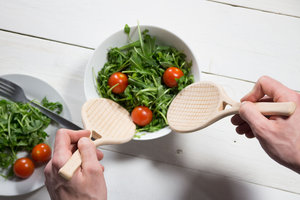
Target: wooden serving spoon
pixel 203 103
pixel 109 123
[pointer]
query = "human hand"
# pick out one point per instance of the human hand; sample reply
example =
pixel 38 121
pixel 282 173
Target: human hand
pixel 279 136
pixel 88 181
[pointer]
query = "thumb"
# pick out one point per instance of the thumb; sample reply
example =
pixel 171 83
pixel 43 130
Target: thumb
pixel 250 114
pixel 88 153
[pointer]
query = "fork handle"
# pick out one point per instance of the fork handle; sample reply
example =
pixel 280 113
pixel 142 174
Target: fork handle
pixel 65 123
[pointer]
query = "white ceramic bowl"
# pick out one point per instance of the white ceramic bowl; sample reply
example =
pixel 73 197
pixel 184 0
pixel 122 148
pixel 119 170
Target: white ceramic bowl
pixel 119 39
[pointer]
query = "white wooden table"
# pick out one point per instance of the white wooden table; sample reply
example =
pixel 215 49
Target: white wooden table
pixel 236 42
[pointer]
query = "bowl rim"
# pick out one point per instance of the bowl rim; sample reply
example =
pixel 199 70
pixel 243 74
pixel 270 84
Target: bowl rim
pixel 143 135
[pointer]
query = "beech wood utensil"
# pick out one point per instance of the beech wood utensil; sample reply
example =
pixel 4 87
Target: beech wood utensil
pixel 203 103
pixel 109 123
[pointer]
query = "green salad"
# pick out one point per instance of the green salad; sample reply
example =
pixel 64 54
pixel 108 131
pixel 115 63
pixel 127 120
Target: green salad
pixel 144 63
pixel 22 126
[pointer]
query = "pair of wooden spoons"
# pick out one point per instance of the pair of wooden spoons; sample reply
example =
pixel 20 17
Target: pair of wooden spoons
pixel 195 107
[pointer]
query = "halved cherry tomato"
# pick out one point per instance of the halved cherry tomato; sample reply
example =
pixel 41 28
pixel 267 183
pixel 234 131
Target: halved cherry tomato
pixel 120 79
pixel 141 115
pixel 23 167
pixel 170 76
pixel 41 152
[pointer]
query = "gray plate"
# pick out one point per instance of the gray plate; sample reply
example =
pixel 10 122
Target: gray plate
pixel 34 89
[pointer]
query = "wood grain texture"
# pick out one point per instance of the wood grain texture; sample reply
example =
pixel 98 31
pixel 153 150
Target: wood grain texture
pixel 110 120
pixel 203 103
pixel 282 7
pixel 160 181
pixel 62 66
pixel 194 107
pixel 217 150
pixel 229 41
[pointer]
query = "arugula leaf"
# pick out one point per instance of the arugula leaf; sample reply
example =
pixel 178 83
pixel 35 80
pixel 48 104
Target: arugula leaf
pixel 144 61
pixel 21 128
pixel 127 29
pixel 54 106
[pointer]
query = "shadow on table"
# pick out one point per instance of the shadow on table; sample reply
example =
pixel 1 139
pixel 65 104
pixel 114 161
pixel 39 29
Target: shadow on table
pixel 163 181
pixel 214 187
pixel 163 149
pixel 194 184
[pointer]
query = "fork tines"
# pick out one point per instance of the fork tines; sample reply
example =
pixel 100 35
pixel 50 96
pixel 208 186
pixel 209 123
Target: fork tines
pixel 6 89
pixel 12 91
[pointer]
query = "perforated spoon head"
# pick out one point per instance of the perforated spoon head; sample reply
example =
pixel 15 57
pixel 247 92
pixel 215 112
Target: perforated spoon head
pixel 197 106
pixel 109 123
pixel 110 120
pixel 203 103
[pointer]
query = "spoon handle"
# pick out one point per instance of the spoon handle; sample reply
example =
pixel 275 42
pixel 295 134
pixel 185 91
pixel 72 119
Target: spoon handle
pixel 74 162
pixel 279 108
pixel 266 108
pixel 70 166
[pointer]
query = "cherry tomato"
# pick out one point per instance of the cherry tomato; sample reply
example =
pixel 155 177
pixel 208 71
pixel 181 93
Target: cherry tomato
pixel 41 153
pixel 120 79
pixel 141 115
pixel 23 167
pixel 170 76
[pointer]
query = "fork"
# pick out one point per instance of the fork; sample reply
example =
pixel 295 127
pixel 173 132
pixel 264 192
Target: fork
pixel 15 93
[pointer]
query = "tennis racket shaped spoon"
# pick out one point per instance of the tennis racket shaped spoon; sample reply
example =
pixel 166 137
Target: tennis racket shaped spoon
pixel 109 123
pixel 203 103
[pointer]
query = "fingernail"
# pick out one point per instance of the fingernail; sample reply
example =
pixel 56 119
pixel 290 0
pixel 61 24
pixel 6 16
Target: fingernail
pixel 245 102
pixel 84 140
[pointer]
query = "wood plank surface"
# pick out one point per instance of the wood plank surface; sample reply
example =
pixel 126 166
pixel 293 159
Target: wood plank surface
pixel 230 41
pixel 216 150
pixel 282 7
pixel 130 177
pixel 62 66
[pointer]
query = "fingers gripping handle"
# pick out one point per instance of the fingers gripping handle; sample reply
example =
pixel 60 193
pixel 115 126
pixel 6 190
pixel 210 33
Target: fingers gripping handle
pixel 71 166
pixel 75 161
